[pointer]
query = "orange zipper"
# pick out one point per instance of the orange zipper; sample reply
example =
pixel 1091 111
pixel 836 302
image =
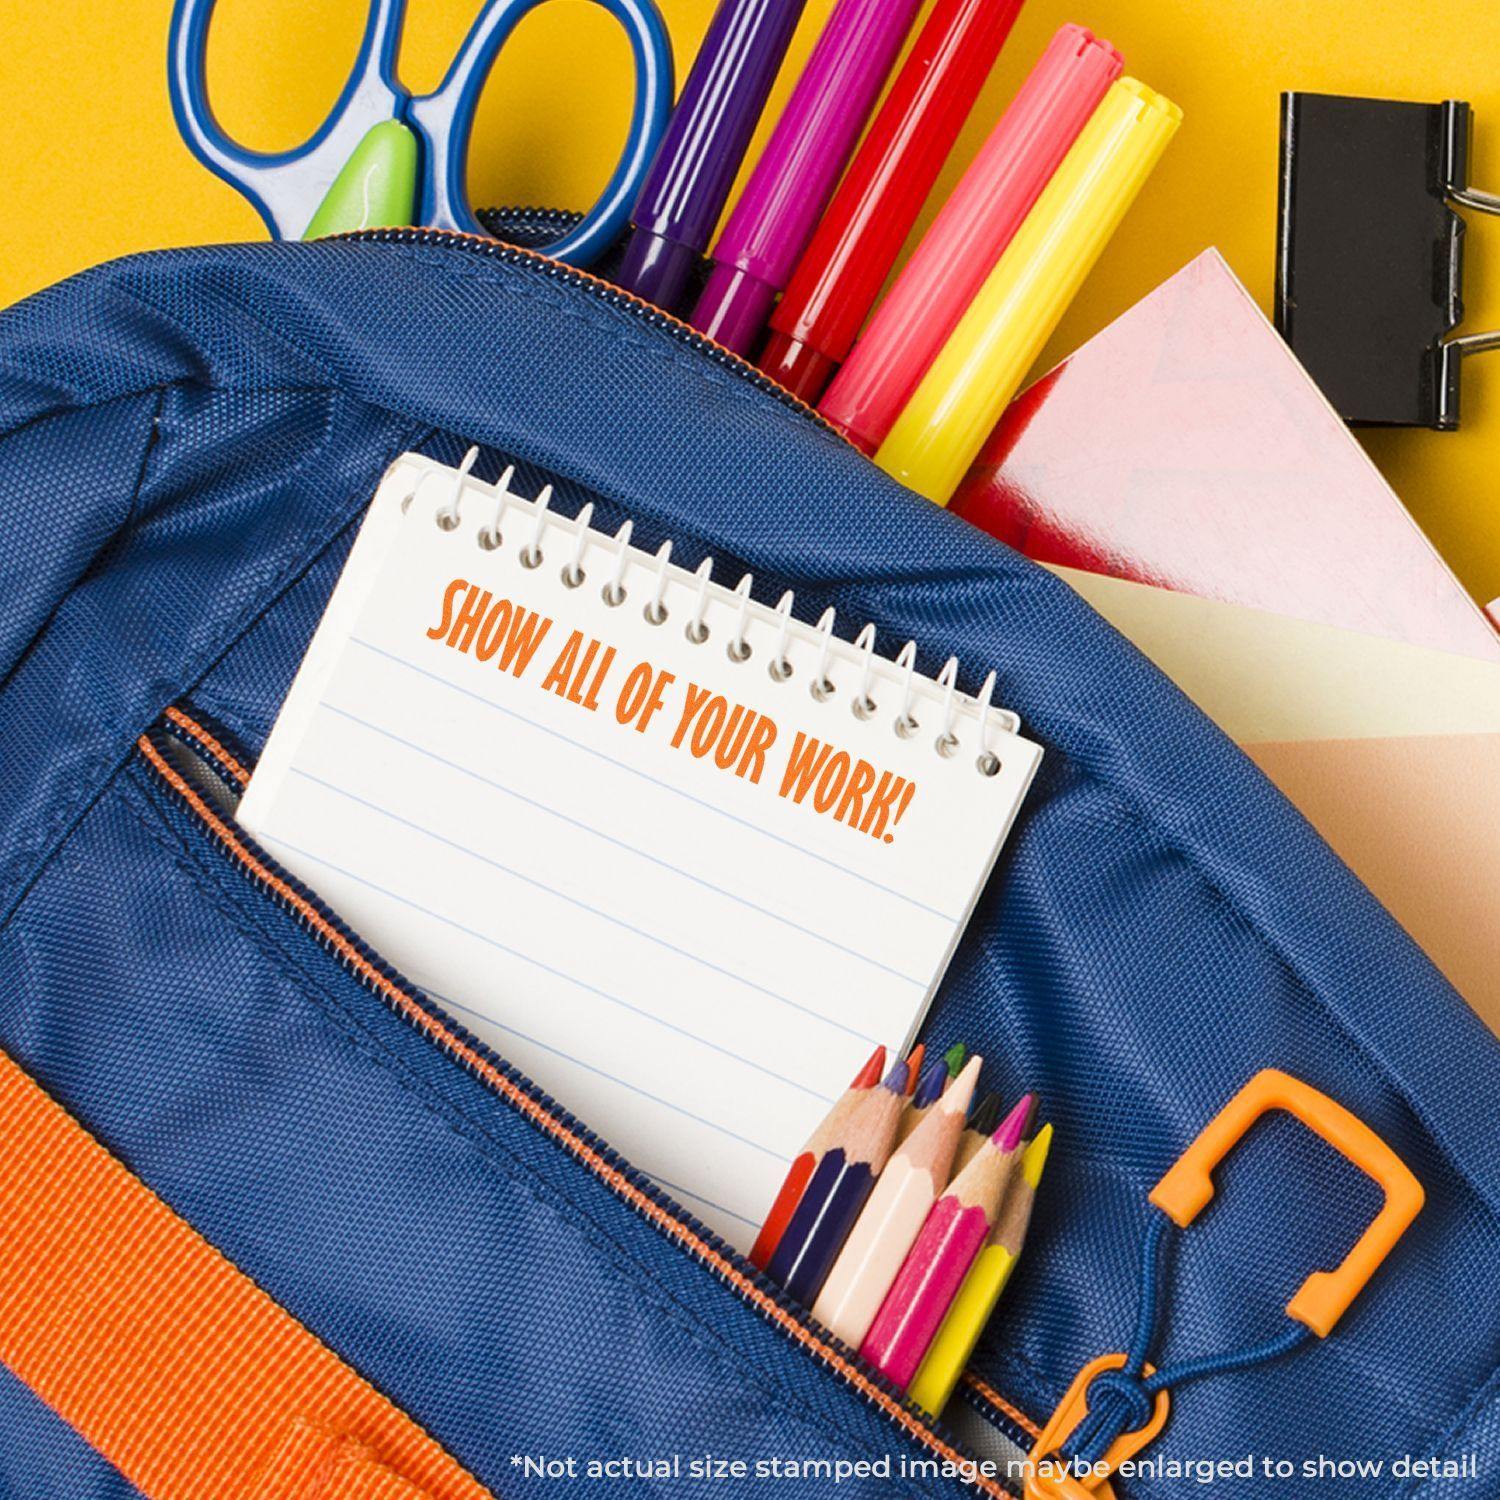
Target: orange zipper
pixel 747 1285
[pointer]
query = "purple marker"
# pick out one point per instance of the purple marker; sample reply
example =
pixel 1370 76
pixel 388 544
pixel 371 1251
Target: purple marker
pixel 788 190
pixel 700 154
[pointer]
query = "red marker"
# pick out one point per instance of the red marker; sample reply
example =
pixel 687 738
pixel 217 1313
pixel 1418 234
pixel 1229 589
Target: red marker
pixel 967 237
pixel 846 262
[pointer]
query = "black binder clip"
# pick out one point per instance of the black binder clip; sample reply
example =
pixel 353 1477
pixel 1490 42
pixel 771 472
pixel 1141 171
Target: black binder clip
pixel 1369 253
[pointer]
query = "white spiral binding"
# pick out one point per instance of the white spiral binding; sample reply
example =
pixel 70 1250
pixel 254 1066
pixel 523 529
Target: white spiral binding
pixel 747 616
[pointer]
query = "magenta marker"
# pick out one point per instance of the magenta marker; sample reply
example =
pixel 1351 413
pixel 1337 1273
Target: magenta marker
pixel 792 181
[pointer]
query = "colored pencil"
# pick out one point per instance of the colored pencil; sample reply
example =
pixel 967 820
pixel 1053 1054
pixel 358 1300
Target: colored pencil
pixel 983 1285
pixel 800 1172
pixel 838 1189
pixel 950 1240
pixel 955 1057
pixel 894 1216
pixel 914 1066
pixel 981 1127
pixel 928 1091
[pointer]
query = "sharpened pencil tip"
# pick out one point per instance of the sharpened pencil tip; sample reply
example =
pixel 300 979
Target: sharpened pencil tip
pixel 931 1084
pixel 895 1080
pixel 954 1057
pixel 961 1091
pixel 986 1114
pixel 1034 1158
pixel 869 1075
pixel 914 1065
pixel 1008 1136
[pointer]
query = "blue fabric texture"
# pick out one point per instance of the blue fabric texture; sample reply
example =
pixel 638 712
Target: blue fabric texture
pixel 42 1457
pixel 187 441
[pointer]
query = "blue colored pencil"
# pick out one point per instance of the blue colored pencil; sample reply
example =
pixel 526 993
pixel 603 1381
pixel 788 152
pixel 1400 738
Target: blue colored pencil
pixel 929 1090
pixel 837 1192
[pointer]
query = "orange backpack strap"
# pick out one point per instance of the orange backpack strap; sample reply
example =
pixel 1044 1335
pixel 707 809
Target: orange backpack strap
pixel 163 1356
pixel 316 1461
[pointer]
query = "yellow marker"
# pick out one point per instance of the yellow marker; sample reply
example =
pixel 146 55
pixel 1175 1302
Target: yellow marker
pixel 981 1288
pixel 941 429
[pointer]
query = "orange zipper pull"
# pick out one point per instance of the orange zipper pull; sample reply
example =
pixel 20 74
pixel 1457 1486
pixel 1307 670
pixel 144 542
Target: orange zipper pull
pixel 1188 1186
pixel 1053 1477
pixel 1124 1388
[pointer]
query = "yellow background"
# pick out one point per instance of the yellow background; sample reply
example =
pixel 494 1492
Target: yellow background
pixel 94 166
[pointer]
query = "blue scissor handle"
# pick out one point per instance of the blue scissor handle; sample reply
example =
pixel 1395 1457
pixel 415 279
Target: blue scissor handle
pixel 285 186
pixel 288 186
pixel 444 121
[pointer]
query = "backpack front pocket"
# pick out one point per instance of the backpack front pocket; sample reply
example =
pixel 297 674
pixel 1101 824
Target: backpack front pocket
pixel 192 778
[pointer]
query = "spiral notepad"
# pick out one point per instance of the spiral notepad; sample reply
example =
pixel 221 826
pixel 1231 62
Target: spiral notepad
pixel 680 856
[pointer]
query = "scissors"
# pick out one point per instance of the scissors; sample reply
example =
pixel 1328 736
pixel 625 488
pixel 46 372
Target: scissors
pixel 385 156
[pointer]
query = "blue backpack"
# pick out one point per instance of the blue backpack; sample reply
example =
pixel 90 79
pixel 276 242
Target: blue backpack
pixel 188 442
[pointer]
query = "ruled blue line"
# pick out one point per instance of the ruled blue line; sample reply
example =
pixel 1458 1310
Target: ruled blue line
pixel 665 786
pixel 595 911
pixel 625 1083
pixel 609 838
pixel 691 1196
pixel 545 968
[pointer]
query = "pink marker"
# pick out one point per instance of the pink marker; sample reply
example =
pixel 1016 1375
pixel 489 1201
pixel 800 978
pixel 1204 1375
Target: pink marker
pixel 966 239
pixel 953 1235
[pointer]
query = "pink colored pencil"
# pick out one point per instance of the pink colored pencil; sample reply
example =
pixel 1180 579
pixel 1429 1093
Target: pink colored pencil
pixel 892 1219
pixel 932 1273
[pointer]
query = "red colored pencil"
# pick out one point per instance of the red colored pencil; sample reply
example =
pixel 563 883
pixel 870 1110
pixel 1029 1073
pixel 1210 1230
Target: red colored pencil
pixel 806 1161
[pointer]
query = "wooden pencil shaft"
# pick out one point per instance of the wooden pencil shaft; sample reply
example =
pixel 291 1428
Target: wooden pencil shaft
pixel 1015 1215
pixel 871 1133
pixel 893 1217
pixel 983 1181
pixel 970 1143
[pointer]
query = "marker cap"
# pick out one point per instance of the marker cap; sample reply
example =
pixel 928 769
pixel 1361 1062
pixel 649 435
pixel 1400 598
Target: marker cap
pixel 657 268
pixel 802 369
pixel 733 307
pixel 969 234
pixel 943 426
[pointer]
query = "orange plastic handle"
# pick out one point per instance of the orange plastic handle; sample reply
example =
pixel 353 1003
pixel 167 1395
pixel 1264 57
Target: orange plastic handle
pixel 1043 1483
pixel 1322 1299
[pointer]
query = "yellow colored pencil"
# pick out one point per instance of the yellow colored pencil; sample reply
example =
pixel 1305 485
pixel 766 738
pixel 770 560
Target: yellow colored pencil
pixel 953 410
pixel 976 1299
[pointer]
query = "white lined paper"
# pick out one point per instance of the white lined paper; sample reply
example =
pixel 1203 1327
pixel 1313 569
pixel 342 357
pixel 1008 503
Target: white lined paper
pixel 691 963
